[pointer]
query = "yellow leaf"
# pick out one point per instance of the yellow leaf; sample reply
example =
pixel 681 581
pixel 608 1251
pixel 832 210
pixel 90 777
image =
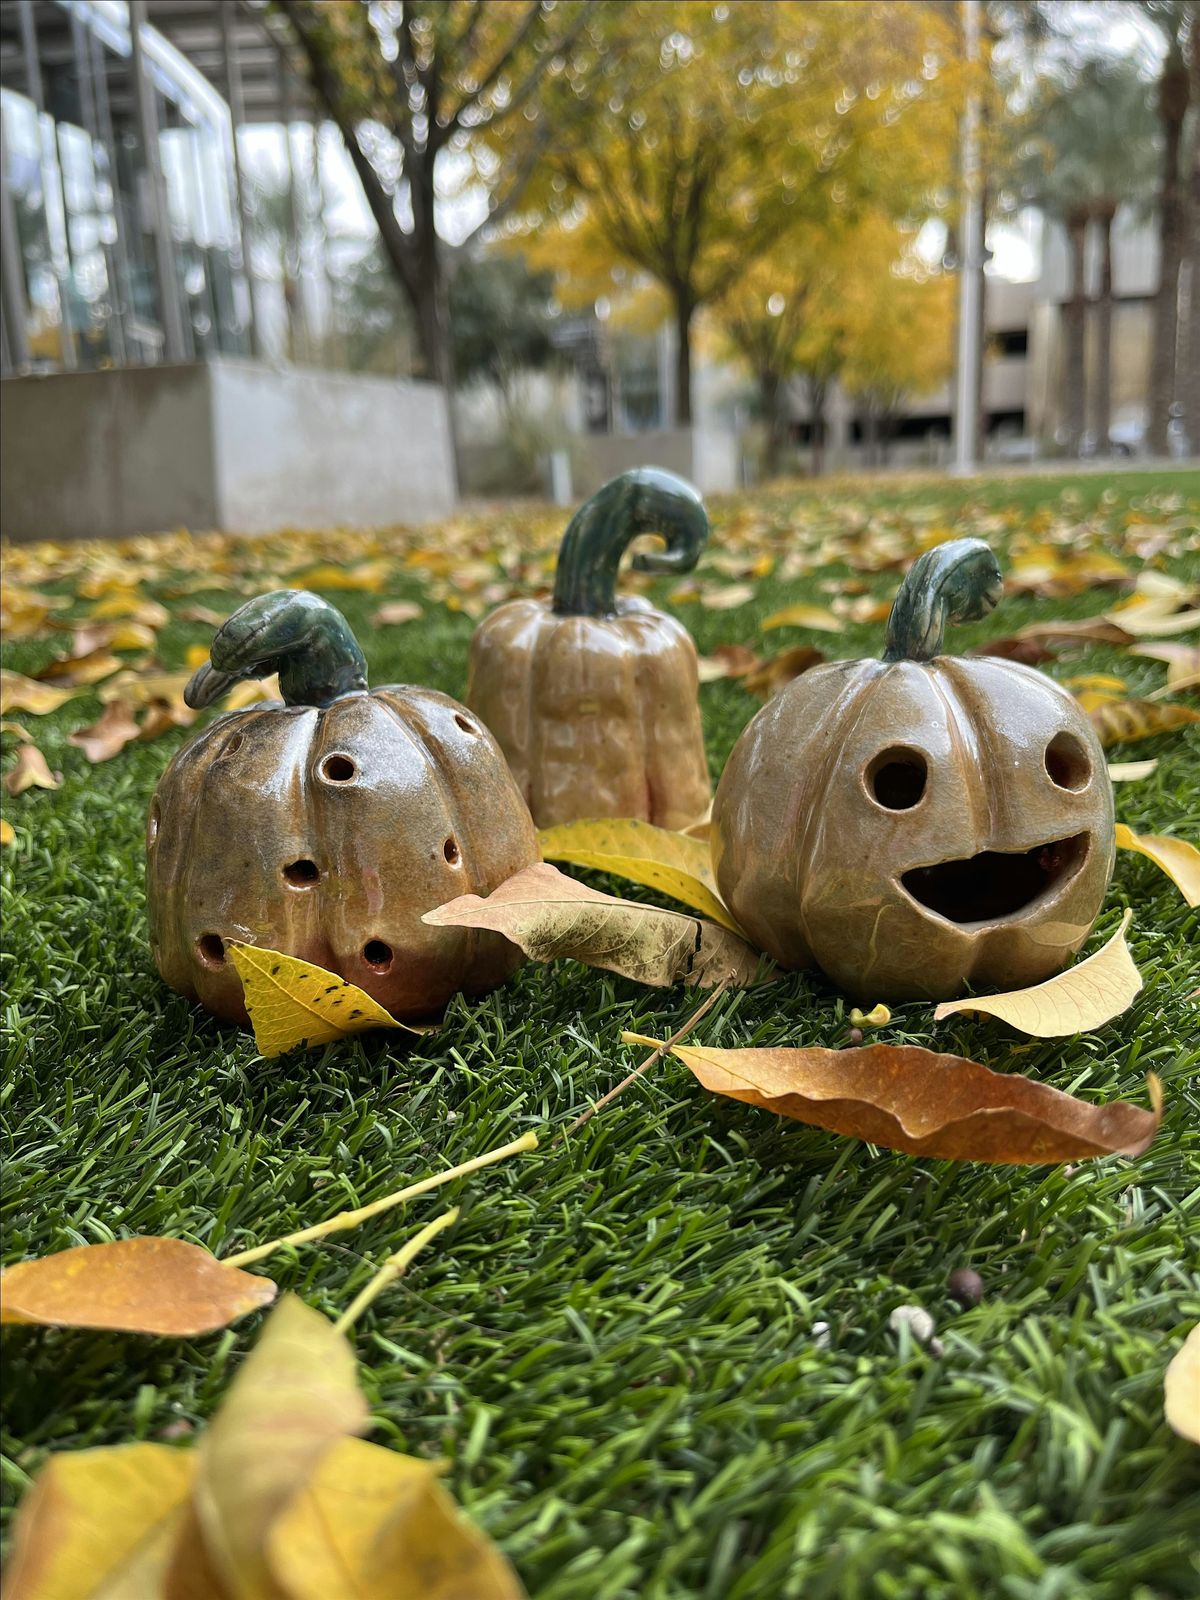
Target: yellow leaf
pixel 7 832
pixel 396 612
pixel 1176 857
pixel 18 693
pixel 99 1524
pixel 294 1396
pixel 379 1525
pixel 140 1285
pixel 368 575
pixel 1181 1388
pixel 727 597
pixel 1153 618
pixel 878 1017
pixel 1131 771
pixel 78 670
pixel 673 863
pixel 1084 997
pixel 554 918
pixel 196 656
pixel 1183 661
pixel 801 616
pixel 295 1004
pixel 129 603
pixel 30 771
pixel 1104 681
pixel 1123 721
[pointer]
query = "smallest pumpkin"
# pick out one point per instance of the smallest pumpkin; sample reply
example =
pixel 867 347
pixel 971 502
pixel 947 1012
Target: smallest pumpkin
pixel 593 699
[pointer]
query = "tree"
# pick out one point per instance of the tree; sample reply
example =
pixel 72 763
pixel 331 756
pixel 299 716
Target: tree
pixel 411 83
pixel 501 317
pixel 719 131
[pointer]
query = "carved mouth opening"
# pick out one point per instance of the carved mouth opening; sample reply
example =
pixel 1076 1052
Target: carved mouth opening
pixel 995 883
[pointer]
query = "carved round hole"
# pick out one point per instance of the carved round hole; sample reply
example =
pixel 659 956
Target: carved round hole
pixel 152 825
pixel 464 724
pixel 451 851
pixel 338 769
pixel 377 954
pixel 1067 762
pixel 896 778
pixel 211 948
pixel 234 745
pixel 302 874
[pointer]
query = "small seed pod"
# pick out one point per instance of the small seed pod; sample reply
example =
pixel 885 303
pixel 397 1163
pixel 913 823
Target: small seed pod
pixel 326 824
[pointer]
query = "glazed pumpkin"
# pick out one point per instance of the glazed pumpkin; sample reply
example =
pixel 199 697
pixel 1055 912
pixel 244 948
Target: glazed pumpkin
pixel 917 822
pixel 594 699
pixel 325 825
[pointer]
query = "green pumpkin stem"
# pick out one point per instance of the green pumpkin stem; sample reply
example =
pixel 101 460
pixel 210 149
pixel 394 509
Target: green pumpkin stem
pixel 646 500
pixel 292 632
pixel 955 582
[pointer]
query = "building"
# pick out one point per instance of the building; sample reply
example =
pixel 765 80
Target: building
pixel 138 385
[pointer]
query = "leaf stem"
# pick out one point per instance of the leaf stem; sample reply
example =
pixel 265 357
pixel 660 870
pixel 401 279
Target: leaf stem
pixel 657 1054
pixel 393 1268
pixel 351 1219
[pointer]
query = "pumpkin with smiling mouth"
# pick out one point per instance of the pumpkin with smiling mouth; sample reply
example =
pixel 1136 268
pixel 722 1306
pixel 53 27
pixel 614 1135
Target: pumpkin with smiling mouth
pixel 912 824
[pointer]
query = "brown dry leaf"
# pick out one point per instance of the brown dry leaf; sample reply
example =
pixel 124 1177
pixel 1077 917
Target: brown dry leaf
pixel 1092 630
pixel 1084 997
pixel 817 618
pixel 923 1104
pixel 203 614
pixel 99 1524
pixel 295 1005
pixel 675 864
pixel 18 693
pixel 141 1285
pixel 775 673
pixel 98 636
pixel 109 734
pixel 1181 1389
pixel 293 1397
pixel 554 918
pixel 1030 652
pixel 1176 857
pixel 396 612
pixel 1131 771
pixel 30 771
pixel 727 661
pixel 141 688
pixel 79 671
pixel 379 1525
pixel 161 716
pixel 1125 721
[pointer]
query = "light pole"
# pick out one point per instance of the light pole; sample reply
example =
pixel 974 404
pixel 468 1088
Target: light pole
pixel 966 375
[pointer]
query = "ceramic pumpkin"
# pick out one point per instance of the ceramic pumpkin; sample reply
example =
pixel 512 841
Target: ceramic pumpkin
pixel 919 822
pixel 325 825
pixel 594 699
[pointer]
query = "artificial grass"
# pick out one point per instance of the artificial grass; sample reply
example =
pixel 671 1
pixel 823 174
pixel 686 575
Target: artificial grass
pixel 617 1346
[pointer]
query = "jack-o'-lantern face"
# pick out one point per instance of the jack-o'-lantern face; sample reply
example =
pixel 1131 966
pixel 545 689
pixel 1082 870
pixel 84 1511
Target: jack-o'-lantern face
pixel 909 825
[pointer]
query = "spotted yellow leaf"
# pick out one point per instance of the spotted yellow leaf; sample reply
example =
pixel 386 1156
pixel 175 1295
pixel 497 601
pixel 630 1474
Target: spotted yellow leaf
pixel 673 863
pixel 295 1005
pixel 1085 996
pixel 1176 857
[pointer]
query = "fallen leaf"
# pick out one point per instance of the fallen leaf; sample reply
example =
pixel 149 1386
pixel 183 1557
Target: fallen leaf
pixel 8 833
pixel 1092 630
pixel 395 612
pixel 130 604
pixel 921 1103
pixel 109 734
pixel 126 635
pixel 78 671
pixel 30 771
pixel 727 597
pixel 554 918
pixel 140 688
pixel 878 1017
pixel 295 1005
pixel 1176 857
pixel 18 693
pixel 1030 652
pixel 1131 771
pixel 161 716
pixel 1124 721
pixel 1181 1388
pixel 1183 661
pixel 1154 618
pixel 203 614
pixel 99 1524
pixel 379 1525
pixel 195 656
pixel 140 1285
pixel 727 661
pixel 1084 997
pixel 673 863
pixel 295 1394
pixel 1105 682
pixel 369 576
pixel 18 731
pixel 767 679
pixel 817 618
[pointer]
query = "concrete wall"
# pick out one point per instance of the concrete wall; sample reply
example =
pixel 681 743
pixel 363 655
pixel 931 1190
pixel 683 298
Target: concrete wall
pixel 228 444
pixel 707 456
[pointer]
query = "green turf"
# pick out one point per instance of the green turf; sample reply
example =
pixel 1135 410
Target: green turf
pixel 614 1347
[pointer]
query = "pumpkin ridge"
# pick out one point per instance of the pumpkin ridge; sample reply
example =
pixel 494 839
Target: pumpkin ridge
pixel 969 735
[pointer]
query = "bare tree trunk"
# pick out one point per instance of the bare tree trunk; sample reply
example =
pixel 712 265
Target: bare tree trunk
pixel 1189 382
pixel 1074 336
pixel 981 420
pixel 818 394
pixel 1173 96
pixel 1102 387
pixel 684 312
pixel 871 434
pixel 771 392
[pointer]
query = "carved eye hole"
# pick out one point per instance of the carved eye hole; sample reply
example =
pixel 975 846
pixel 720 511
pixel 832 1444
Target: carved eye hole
pixel 896 778
pixel 1067 762
pixel 338 769
pixel 302 874
pixel 377 954
pixel 464 724
pixel 234 745
pixel 451 851
pixel 211 948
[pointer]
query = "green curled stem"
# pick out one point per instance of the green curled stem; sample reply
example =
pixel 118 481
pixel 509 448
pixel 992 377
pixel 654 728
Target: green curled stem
pixel 646 500
pixel 955 582
pixel 292 632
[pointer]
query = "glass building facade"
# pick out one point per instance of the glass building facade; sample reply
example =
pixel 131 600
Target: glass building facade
pixel 123 207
